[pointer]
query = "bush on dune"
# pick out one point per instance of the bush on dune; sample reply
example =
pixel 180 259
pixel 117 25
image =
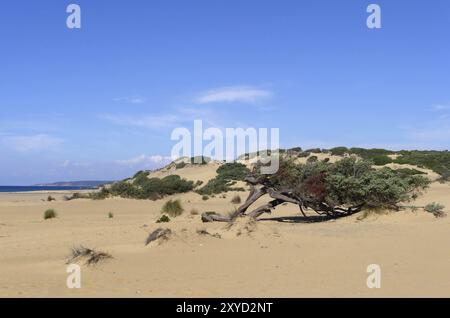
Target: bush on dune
pixel 226 178
pixel 338 189
pixel 50 214
pixel 143 187
pixel 436 209
pixel 173 208
pixel 438 161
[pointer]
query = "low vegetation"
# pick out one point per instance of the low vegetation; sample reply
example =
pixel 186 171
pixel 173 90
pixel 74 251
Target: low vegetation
pixel 173 208
pixel 110 215
pixel 143 187
pixel 438 161
pixel 436 209
pixel 163 219
pixel 332 190
pixel 50 214
pixel 227 176
pixel 90 256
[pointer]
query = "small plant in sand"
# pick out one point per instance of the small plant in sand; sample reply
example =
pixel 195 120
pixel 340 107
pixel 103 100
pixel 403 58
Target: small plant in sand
pixel 236 199
pixel 436 209
pixel 372 213
pixel 90 256
pixel 50 198
pixel 205 197
pixel 110 215
pixel 173 208
pixel 163 219
pixel 194 212
pixel 50 214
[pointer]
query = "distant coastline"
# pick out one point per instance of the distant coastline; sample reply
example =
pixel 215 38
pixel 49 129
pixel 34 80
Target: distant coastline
pixel 84 184
pixel 4 189
pixel 56 186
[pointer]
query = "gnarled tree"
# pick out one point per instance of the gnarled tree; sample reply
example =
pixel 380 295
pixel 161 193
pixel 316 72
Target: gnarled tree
pixel 332 190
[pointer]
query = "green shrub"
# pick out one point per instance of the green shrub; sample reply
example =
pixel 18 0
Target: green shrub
pixel 436 209
pixel 303 154
pixel 141 177
pixel 180 165
pixel 50 198
pixel 205 197
pixel 409 172
pixel 349 182
pixel 151 188
pixel 339 151
pixel 110 215
pixel 163 219
pixel 438 161
pixel 50 214
pixel 381 160
pixel 100 195
pixel 198 183
pixel 200 160
pixel 314 150
pixel 370 153
pixel 227 175
pixel 173 208
pixel 312 159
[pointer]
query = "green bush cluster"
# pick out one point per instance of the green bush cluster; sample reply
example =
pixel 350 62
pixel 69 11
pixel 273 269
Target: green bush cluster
pixel 227 175
pixel 345 183
pixel 146 188
pixel 436 209
pixel 438 161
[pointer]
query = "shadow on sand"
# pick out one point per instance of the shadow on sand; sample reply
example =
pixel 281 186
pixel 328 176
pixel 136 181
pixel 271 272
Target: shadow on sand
pixel 299 219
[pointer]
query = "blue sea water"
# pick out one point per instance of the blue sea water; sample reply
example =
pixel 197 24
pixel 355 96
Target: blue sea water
pixel 37 188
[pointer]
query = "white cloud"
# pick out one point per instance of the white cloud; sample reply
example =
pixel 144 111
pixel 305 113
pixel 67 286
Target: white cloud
pixel 145 161
pixel 242 94
pixel 441 107
pixel 131 100
pixel 163 121
pixel 31 143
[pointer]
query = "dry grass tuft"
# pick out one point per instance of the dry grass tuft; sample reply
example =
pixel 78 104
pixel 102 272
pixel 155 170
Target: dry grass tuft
pixel 90 256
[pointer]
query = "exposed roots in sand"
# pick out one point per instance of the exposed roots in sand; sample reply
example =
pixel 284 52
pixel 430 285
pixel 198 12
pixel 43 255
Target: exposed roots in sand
pixel 90 256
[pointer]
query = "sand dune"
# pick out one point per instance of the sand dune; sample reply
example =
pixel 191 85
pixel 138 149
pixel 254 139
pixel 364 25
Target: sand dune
pixel 268 258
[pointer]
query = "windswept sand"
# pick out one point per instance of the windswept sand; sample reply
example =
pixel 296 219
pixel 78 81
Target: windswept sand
pixel 264 259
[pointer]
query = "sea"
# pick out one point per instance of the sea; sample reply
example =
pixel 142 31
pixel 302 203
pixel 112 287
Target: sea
pixel 40 188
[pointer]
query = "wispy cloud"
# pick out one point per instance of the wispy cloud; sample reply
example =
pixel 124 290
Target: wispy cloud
pixel 31 143
pixel 441 107
pixel 241 94
pixel 131 99
pixel 144 121
pixel 145 161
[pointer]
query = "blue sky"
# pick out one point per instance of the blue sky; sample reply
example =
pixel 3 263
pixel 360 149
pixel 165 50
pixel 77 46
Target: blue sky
pixel 101 102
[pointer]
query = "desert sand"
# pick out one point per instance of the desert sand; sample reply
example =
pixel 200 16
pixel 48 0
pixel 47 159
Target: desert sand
pixel 268 258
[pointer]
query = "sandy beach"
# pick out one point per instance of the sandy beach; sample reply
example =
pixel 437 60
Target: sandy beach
pixel 268 258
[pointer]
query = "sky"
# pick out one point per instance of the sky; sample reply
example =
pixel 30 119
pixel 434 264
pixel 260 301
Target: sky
pixel 101 102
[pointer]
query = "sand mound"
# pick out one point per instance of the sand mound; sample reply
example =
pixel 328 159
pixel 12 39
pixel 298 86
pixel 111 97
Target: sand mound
pixel 246 227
